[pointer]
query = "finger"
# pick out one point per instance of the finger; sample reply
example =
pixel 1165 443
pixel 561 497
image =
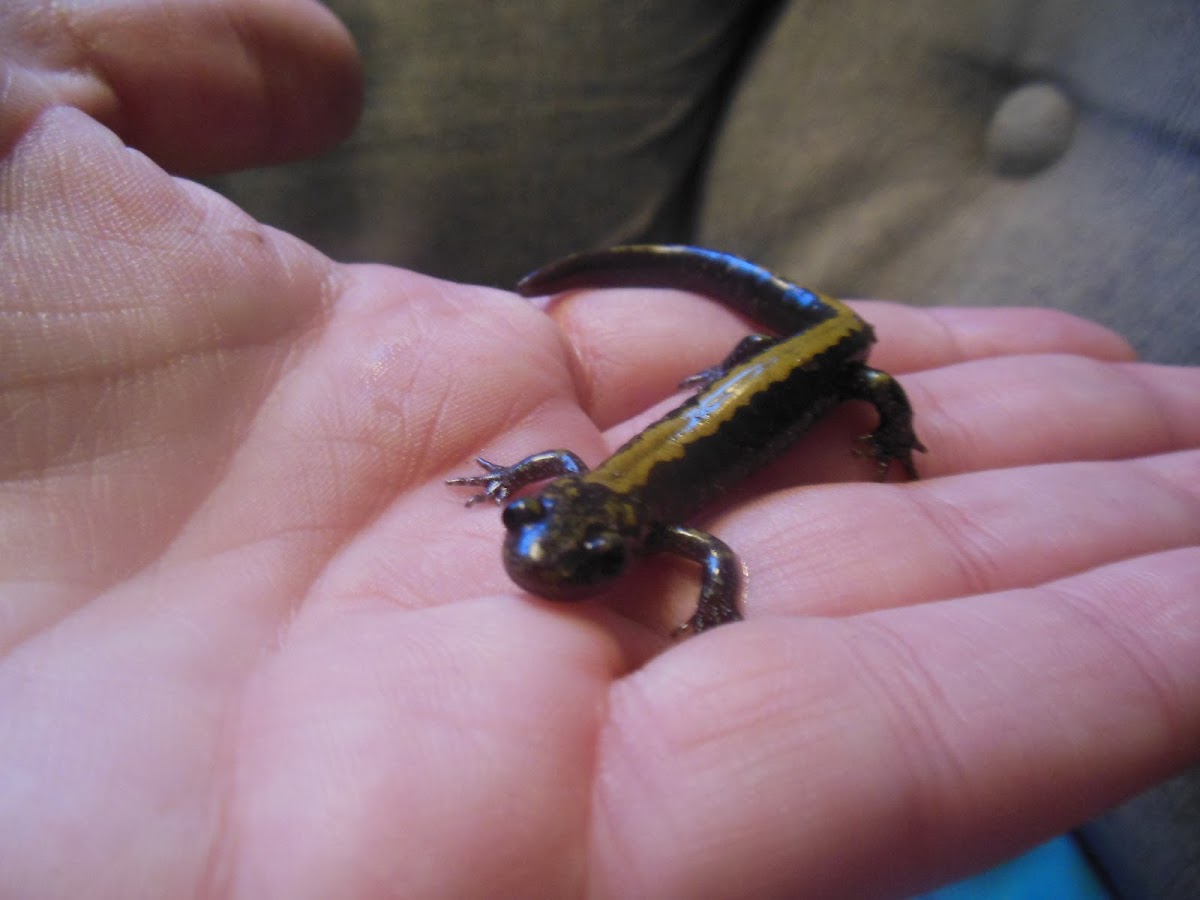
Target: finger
pixel 997 412
pixel 1066 408
pixel 912 338
pixel 1017 411
pixel 884 753
pixel 633 347
pixel 857 547
pixel 199 87
pixel 849 548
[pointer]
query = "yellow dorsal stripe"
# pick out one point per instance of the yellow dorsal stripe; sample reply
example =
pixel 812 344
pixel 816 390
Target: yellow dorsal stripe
pixel 669 438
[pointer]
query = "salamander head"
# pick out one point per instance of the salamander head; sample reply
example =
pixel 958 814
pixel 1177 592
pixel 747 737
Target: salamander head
pixel 569 540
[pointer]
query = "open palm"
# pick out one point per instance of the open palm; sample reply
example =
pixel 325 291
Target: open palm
pixel 254 646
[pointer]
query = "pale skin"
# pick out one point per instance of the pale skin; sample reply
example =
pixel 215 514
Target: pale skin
pixel 254 647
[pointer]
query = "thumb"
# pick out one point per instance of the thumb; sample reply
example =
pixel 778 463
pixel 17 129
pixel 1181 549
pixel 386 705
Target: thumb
pixel 198 85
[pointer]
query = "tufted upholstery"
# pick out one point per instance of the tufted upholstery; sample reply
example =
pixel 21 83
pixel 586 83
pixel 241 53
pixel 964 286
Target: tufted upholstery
pixel 977 152
pixel 496 136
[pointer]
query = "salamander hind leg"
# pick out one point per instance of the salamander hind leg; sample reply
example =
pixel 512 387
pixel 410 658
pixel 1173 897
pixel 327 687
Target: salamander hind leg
pixel 894 438
pixel 749 346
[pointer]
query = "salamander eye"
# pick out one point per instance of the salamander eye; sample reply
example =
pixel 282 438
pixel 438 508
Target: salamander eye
pixel 606 556
pixel 522 512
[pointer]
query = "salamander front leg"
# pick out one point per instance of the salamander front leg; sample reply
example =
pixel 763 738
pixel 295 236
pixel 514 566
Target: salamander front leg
pixel 720 582
pixel 893 438
pixel 500 482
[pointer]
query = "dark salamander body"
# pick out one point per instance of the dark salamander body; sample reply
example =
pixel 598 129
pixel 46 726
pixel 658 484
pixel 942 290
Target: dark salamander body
pixel 582 529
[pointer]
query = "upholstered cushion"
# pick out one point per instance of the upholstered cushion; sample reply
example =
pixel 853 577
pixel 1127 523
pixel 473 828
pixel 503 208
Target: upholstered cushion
pixel 497 136
pixel 943 151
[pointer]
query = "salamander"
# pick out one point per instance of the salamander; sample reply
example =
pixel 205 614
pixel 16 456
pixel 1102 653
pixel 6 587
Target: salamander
pixel 582 530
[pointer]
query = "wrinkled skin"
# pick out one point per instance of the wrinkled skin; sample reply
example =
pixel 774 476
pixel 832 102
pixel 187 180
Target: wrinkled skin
pixel 253 647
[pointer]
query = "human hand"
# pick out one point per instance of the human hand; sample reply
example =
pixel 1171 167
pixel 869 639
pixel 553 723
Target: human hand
pixel 254 646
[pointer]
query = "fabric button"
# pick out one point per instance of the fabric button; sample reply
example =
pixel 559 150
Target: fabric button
pixel 1030 129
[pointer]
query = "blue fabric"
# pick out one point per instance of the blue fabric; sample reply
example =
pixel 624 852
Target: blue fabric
pixel 1056 870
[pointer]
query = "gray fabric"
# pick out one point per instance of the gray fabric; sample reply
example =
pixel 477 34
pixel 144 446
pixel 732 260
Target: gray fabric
pixel 1150 847
pixel 497 136
pixel 856 158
